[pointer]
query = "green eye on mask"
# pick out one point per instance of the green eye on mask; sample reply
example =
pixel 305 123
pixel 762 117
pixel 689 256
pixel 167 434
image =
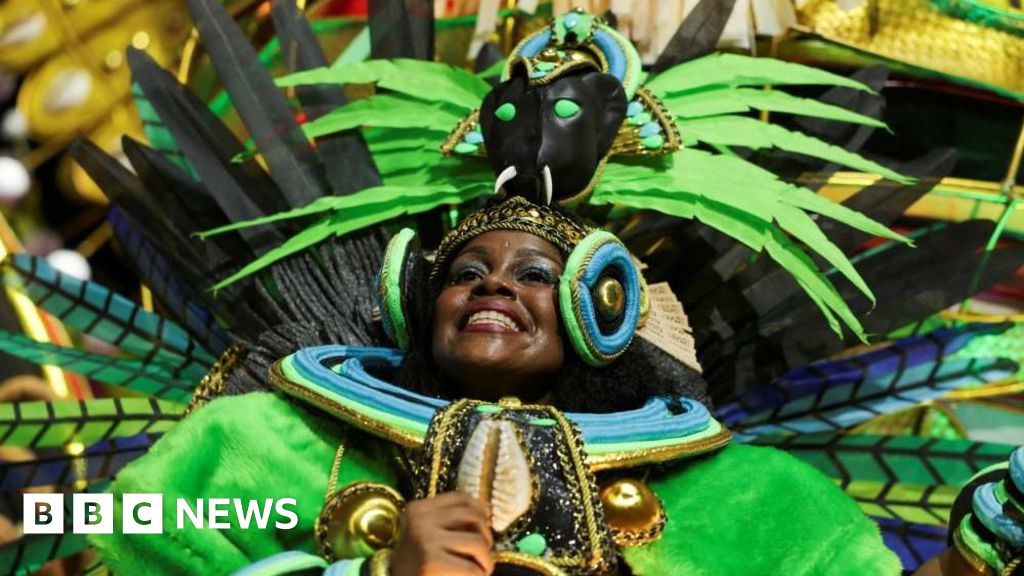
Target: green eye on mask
pixel 566 108
pixel 506 112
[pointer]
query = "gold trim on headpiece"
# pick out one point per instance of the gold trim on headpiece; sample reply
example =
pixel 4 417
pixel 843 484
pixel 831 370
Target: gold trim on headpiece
pixel 516 214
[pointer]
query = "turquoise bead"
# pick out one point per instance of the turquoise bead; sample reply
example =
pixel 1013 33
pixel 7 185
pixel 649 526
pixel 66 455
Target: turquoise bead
pixel 634 108
pixel 640 119
pixel 474 138
pixel 653 142
pixel 466 148
pixel 533 544
pixel 571 20
pixel 545 66
pixel 650 129
pixel 489 408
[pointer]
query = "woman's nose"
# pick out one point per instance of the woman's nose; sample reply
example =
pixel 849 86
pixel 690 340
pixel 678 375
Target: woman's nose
pixel 494 284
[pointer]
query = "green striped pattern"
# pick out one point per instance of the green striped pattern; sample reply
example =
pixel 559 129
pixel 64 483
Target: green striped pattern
pixel 61 422
pixel 128 374
pixel 907 478
pixel 891 459
pixel 912 503
pixel 99 312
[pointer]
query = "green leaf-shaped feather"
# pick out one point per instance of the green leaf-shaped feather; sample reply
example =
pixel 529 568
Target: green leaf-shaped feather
pixel 432 81
pixel 728 100
pixel 717 70
pixel 350 213
pixel 752 133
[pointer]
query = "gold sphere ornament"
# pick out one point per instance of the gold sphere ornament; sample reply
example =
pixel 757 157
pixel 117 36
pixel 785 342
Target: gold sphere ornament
pixel 633 512
pixel 358 520
pixel 610 299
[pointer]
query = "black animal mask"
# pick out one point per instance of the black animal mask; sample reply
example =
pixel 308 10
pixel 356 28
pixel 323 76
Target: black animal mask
pixel 566 126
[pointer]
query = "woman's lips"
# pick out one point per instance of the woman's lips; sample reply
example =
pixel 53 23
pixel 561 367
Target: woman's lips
pixel 490 317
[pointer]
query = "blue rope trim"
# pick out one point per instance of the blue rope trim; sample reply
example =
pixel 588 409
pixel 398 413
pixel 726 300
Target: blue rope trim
pixel 283 563
pixel 345 567
pixel 658 419
pixel 989 511
pixel 613 52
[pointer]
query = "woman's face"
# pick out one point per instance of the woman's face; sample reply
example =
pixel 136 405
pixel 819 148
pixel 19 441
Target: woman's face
pixel 496 326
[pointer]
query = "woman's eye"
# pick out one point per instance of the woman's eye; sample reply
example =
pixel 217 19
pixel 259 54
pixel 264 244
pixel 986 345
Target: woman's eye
pixel 465 275
pixel 537 276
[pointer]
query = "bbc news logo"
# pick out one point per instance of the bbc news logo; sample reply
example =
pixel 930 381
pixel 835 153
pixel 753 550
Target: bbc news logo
pixel 143 513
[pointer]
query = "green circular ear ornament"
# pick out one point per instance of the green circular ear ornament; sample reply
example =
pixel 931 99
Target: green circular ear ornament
pixel 399 268
pixel 599 298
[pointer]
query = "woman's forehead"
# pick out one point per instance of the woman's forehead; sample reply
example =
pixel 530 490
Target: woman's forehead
pixel 512 243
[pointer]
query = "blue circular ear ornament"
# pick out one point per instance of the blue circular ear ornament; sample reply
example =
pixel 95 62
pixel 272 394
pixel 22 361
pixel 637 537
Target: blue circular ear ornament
pixel 401 265
pixel 599 298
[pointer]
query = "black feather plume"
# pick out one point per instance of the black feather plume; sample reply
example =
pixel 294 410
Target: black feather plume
pixel 262 107
pixel 349 166
pixel 697 35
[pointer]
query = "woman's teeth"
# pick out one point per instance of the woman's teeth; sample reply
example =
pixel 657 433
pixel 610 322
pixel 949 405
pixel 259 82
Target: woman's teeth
pixel 493 317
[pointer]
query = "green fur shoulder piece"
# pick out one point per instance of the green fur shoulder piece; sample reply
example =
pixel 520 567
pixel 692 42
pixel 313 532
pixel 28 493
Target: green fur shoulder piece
pixel 220 451
pixel 753 510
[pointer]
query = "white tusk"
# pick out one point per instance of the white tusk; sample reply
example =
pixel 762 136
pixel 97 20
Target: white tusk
pixel 547 183
pixel 506 175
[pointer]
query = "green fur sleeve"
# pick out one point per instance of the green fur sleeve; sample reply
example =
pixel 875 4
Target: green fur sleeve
pixel 750 510
pixel 255 446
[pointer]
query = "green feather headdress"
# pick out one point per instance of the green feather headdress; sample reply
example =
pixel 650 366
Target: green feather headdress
pixel 418 104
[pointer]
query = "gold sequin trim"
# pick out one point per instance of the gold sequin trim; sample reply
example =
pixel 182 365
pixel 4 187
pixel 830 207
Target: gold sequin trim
pixel 516 214
pixel 534 563
pixel 628 142
pixel 640 457
pixel 585 490
pixel 212 385
pixel 969 556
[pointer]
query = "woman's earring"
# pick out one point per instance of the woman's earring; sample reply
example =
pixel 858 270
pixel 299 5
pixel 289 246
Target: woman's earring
pixel 599 298
pixel 398 284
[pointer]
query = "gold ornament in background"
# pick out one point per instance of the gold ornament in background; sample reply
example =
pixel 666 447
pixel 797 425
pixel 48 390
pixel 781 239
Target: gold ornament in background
pixel 77 82
pixel 918 33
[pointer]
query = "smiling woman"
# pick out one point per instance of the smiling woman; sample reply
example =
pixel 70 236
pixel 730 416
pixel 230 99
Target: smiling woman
pixel 496 329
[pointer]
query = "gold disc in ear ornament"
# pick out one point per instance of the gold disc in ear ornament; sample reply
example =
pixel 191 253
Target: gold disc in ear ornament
pixel 610 298
pixel 633 512
pixel 358 520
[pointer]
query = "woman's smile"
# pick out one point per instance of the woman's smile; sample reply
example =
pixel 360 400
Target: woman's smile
pixel 491 317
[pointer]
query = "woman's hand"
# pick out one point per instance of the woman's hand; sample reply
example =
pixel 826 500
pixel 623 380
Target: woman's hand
pixel 448 535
